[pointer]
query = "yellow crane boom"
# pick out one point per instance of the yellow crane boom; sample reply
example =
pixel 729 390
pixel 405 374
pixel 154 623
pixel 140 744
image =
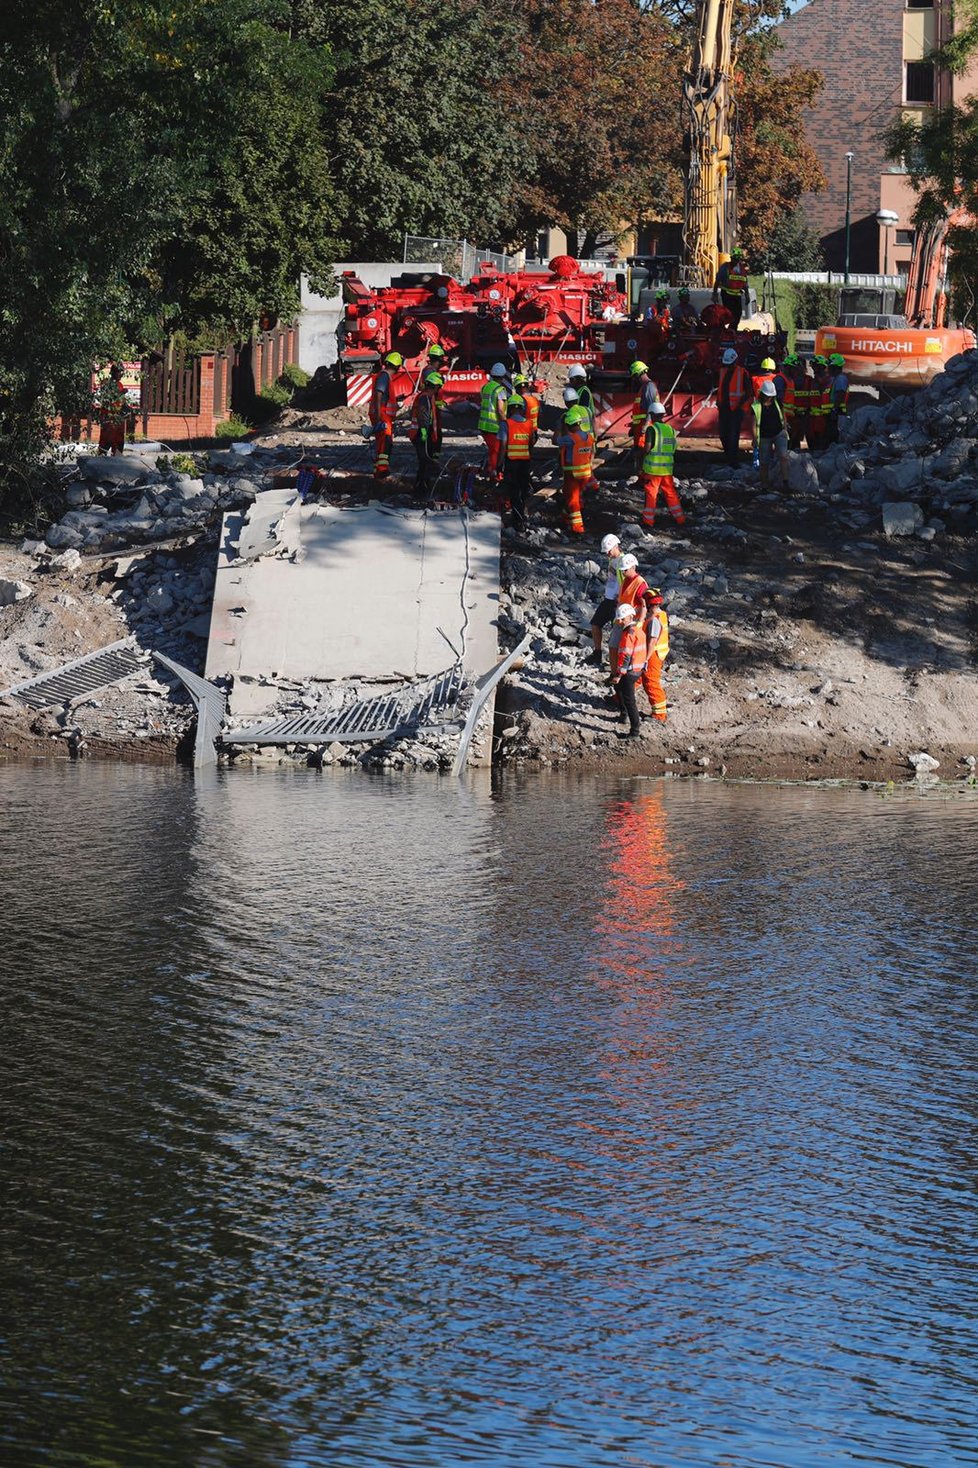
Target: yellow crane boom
pixel 710 221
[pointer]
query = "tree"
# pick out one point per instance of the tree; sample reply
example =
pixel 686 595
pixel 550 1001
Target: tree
pixel 162 167
pixel 776 164
pixel 793 245
pixel 419 142
pixel 598 86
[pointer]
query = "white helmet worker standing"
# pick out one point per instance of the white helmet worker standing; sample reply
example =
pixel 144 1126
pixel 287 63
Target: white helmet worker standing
pixel 605 611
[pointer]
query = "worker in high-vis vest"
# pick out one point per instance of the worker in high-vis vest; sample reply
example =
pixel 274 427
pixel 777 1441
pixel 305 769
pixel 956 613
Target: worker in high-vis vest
pixel 731 284
pixel 796 398
pixel 770 434
pixel 524 386
pixel 492 419
pixel 767 373
pixel 576 444
pixel 657 639
pixel 577 379
pixel 819 404
pixel 520 435
pixel 628 667
pixel 425 431
pixel 733 395
pixel 658 468
pixel 646 393
pixel 437 358
pixel 838 395
pixel 383 411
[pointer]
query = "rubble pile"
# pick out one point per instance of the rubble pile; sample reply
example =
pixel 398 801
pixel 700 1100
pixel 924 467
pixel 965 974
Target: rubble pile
pixel 913 462
pixel 134 499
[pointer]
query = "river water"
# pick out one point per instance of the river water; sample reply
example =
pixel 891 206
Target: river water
pixel 356 1121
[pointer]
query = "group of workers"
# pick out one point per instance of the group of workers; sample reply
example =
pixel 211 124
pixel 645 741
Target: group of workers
pixel 789 406
pixel 638 644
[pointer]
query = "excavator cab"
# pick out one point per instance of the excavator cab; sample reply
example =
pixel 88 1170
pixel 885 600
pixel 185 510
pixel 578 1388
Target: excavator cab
pixel 871 306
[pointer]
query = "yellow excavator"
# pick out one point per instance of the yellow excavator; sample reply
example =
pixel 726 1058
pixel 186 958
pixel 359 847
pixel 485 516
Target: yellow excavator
pixel 710 214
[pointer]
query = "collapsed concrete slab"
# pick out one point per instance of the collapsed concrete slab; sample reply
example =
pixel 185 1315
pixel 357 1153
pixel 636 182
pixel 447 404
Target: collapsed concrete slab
pixel 373 593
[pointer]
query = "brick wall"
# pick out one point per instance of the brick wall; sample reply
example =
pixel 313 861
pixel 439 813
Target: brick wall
pixel 857 45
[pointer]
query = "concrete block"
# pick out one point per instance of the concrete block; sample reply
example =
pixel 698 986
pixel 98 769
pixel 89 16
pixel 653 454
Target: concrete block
pixel 901 518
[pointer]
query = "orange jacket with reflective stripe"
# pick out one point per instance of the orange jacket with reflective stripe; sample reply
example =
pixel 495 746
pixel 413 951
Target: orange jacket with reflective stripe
pixel 757 381
pixel 383 384
pixel 532 409
pixel 519 436
pixel 736 280
pixel 633 589
pixel 575 456
pixel 631 653
pixel 734 386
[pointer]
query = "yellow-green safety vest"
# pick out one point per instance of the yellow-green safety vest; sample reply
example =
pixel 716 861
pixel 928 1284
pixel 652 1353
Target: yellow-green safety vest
pixel 489 406
pixel 661 454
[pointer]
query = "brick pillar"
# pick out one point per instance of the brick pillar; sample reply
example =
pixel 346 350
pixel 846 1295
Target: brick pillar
pixel 256 363
pixel 205 411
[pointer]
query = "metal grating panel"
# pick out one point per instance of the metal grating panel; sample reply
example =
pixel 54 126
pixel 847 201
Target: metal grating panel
pixel 411 707
pixel 78 678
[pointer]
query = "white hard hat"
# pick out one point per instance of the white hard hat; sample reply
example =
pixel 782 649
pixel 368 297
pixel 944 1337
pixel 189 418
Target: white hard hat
pixel 576 373
pixel 570 396
pixel 624 611
pixel 658 409
pixel 729 357
pixel 497 370
pixel 628 563
pixel 768 390
pixel 609 542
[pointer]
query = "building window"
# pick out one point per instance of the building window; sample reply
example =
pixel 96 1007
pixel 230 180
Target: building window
pixel 920 4
pixel 904 237
pixel 919 81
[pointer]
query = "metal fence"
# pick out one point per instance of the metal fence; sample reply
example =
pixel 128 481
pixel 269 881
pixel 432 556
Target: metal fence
pixel 460 258
pixel 829 277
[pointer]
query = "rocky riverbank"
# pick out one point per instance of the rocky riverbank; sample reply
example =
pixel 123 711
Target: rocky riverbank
pixel 828 632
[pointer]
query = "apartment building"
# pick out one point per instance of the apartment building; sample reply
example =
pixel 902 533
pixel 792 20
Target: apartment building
pixel 876 57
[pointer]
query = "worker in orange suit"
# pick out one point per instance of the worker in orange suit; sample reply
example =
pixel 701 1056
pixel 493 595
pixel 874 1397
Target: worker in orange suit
pixel 114 412
pixel 634 588
pixel 657 637
pixel 796 398
pixel 628 667
pixel 658 468
pixel 383 411
pixel 733 396
pixel 819 404
pixel 523 385
pixel 576 444
pixel 519 445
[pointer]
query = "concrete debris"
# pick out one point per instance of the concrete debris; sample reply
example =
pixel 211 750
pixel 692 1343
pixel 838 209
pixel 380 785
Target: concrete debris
pixel 14 591
pixel 923 763
pixel 901 518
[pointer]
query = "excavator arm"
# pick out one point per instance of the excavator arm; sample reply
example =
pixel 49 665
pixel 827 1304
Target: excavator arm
pixel 710 221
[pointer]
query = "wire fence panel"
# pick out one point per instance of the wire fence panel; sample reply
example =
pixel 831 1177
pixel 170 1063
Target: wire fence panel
pixel 460 258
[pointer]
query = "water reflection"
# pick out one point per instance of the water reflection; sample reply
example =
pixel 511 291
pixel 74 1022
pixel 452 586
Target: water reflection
pixel 359 1121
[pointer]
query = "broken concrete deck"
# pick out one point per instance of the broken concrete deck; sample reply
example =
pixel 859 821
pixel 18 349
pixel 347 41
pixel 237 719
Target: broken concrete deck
pixel 374 593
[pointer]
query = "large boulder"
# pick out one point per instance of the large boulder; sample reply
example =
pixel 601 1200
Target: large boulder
pixel 122 469
pixel 902 477
pixel 63 537
pixel 901 518
pixel 803 476
pixel 951 460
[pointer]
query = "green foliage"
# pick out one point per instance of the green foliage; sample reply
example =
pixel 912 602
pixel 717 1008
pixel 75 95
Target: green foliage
pixel 232 428
pixel 815 305
pixel 270 402
pixel 181 463
pixel 794 245
pixel 293 376
pixel 161 168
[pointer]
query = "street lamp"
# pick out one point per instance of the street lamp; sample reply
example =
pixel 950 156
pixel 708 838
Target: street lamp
pixel 849 158
pixel 886 219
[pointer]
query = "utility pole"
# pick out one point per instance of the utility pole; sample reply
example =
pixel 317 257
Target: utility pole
pixel 849 157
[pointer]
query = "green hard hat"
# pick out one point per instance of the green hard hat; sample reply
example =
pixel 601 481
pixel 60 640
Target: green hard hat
pixel 435 350
pixel 637 368
pixel 820 361
pixel 573 416
pixel 394 359
pixel 434 379
pixel 515 401
pixel 837 360
pixel 790 360
pixel 662 295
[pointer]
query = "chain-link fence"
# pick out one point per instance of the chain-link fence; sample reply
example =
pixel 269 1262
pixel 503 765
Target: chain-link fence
pixel 459 258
